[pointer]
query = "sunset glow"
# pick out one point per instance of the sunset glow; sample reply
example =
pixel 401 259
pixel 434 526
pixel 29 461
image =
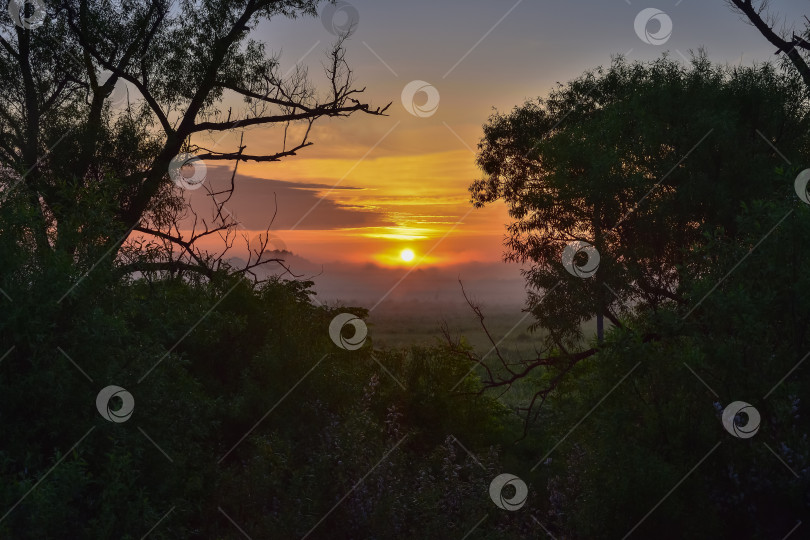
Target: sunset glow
pixel 406 255
pixel 370 185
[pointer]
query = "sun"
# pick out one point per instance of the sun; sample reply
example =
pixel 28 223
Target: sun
pixel 406 255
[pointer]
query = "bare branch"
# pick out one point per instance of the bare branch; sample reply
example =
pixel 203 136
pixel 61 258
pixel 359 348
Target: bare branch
pixel 789 48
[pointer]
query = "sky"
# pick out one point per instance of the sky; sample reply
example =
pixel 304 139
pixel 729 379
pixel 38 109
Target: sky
pixel 371 187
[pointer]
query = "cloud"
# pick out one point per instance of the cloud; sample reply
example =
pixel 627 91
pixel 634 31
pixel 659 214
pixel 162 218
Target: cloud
pixel 254 203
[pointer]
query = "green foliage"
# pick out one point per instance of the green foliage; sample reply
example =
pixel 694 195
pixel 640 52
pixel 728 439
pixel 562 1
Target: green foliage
pixel 257 411
pixel 662 420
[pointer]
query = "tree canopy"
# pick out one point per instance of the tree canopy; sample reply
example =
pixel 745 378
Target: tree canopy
pixel 646 162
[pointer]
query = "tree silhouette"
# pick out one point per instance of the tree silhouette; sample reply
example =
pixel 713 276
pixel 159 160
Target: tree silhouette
pixel 645 162
pixel 104 95
pixel 796 47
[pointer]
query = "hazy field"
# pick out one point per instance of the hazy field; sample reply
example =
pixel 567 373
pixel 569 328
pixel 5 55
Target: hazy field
pixel 399 324
pixel 419 323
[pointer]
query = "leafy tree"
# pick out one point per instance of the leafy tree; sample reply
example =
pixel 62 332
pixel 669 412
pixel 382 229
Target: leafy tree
pixel 646 162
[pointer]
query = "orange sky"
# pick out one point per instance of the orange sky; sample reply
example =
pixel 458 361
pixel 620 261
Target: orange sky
pixel 419 199
pixel 373 186
pixel 398 182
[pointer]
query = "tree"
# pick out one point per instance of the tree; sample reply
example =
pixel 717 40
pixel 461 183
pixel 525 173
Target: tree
pixel 645 162
pixel 105 95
